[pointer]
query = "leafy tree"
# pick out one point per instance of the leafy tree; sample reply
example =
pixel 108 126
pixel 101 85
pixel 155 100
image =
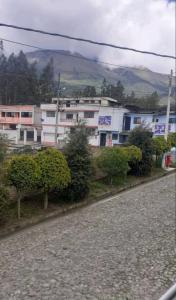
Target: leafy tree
pixel 142 138
pixel 3 147
pixel 89 91
pixel 114 162
pixel 160 145
pixel 54 169
pixel 24 174
pixel 172 139
pixel 46 87
pixel 4 202
pixel 78 156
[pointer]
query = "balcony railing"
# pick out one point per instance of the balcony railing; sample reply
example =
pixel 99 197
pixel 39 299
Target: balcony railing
pixel 15 120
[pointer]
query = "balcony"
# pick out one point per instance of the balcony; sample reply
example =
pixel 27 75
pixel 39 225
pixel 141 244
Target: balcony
pixel 15 120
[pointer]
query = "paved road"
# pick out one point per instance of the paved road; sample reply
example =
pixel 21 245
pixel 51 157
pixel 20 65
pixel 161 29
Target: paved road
pixel 118 249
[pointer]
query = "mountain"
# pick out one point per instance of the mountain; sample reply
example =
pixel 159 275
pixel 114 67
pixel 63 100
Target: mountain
pixel 77 72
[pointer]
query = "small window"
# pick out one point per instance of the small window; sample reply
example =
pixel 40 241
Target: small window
pixel 172 120
pixel 137 120
pixel 50 114
pixel 69 116
pixel 68 104
pixel 26 114
pixel 3 114
pixel 90 131
pixel 77 101
pixel 92 101
pixel 115 136
pixel 88 114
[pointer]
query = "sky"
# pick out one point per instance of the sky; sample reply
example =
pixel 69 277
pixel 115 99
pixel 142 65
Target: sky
pixel 146 25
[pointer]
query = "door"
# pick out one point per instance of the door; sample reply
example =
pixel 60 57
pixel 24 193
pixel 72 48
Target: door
pixel 127 123
pixel 102 139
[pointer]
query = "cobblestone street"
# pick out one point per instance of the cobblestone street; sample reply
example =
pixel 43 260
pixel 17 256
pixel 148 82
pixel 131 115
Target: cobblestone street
pixel 121 248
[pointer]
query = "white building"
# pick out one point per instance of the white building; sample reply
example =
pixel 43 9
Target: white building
pixel 21 123
pixel 155 121
pixel 102 117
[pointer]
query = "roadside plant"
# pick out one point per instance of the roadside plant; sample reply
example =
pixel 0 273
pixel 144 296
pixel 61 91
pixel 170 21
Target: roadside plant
pixel 141 137
pixel 172 139
pixel 54 170
pixel 4 203
pixel 78 155
pixel 113 162
pixel 24 174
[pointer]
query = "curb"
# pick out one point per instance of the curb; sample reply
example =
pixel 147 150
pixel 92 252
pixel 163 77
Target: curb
pixel 74 207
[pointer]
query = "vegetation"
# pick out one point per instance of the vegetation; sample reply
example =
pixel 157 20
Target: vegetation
pixel 3 147
pixel 21 84
pixel 78 156
pixel 113 162
pixel 172 139
pixel 54 171
pixel 24 174
pixel 142 138
pixel 4 202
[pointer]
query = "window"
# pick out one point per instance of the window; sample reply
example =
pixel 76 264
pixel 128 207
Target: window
pixel 50 114
pixel 68 104
pixel 172 120
pixel 115 136
pixel 77 101
pixel 3 114
pixel 69 116
pixel 25 114
pixel 88 114
pixel 10 114
pixel 137 120
pixel 90 131
pixel 92 101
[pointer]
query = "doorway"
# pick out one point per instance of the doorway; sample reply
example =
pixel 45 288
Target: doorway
pixel 102 139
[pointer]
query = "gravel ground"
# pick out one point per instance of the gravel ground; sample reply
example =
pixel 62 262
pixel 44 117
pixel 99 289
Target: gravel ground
pixel 119 248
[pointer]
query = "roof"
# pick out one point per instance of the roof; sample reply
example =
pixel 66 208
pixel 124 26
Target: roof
pixel 85 99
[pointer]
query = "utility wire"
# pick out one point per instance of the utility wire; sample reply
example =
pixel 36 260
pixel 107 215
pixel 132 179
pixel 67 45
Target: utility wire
pixel 87 40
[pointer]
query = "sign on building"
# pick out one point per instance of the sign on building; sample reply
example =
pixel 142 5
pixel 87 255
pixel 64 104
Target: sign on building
pixel 160 128
pixel 104 120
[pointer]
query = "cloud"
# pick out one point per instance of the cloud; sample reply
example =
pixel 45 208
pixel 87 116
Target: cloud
pixel 141 24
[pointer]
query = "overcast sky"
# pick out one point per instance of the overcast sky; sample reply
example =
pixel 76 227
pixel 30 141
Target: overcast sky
pixel 143 24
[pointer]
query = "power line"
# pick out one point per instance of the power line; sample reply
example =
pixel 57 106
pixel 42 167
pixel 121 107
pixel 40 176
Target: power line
pixel 87 40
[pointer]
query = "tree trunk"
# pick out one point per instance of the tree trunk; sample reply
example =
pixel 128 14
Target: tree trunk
pixel 45 200
pixel 19 207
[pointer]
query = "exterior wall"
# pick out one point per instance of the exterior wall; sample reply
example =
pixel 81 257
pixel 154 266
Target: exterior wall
pixel 13 122
pixel 115 124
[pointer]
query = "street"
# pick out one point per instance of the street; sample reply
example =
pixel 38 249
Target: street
pixel 119 248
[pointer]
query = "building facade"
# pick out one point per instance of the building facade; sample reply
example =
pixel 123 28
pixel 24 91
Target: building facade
pixel 102 117
pixel 156 122
pixel 21 123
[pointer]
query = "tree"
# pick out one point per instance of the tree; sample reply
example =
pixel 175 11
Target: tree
pixel 3 147
pixel 4 202
pixel 54 169
pixel 160 145
pixel 114 162
pixel 142 138
pixel 172 139
pixel 24 174
pixel 78 156
pixel 47 82
pixel 89 91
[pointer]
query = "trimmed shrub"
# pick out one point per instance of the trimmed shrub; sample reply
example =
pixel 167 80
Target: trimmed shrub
pixel 54 170
pixel 172 139
pixel 134 156
pixel 113 162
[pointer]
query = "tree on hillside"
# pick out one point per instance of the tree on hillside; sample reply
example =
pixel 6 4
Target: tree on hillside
pixel 46 87
pixel 89 91
pixel 54 169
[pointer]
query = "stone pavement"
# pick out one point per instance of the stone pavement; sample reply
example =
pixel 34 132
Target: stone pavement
pixel 123 248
